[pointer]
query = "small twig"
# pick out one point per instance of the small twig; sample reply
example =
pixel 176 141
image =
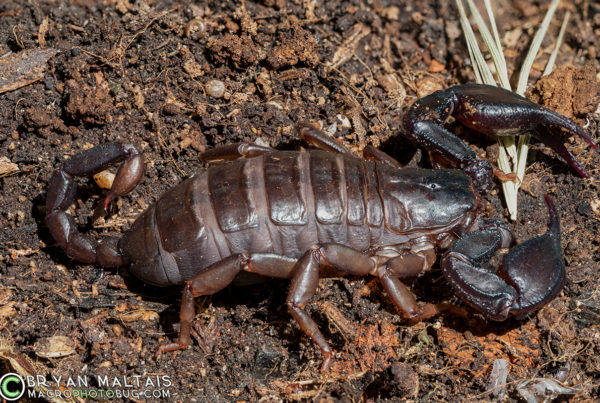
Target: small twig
pixel 19 42
pixel 101 58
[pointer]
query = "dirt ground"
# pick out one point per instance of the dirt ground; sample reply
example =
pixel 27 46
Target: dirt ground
pixel 176 79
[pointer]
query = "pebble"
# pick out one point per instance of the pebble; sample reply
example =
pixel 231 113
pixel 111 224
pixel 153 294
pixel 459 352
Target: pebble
pixel 215 88
pixel 104 179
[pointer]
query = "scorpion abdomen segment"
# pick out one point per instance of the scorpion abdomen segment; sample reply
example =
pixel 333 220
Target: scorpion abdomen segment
pixel 141 246
pixel 170 243
pixel 355 191
pixel 327 182
pixel 317 196
pixel 177 211
pixel 312 197
pixel 230 194
pixel 283 176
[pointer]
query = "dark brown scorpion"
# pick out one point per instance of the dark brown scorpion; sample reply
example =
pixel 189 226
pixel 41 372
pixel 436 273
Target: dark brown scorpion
pixel 304 215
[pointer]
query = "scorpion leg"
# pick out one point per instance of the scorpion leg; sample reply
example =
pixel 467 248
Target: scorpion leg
pixel 317 138
pixel 230 152
pixel 532 273
pixel 373 154
pixel 218 276
pixel 404 266
pixel 62 192
pixel 306 279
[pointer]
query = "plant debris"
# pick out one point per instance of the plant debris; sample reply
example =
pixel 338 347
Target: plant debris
pixel 20 69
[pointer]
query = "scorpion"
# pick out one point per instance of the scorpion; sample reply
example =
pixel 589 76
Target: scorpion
pixel 322 212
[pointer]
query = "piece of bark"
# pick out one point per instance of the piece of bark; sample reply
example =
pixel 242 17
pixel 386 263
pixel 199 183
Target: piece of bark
pixel 20 69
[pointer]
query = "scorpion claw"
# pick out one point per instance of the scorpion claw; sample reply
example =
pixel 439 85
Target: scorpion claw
pixel 531 274
pixel 100 212
pixel 489 110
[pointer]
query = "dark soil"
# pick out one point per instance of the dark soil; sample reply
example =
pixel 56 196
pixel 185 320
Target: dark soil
pixel 144 72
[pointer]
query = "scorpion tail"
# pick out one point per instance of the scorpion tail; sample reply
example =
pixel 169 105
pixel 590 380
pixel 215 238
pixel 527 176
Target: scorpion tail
pixel 62 192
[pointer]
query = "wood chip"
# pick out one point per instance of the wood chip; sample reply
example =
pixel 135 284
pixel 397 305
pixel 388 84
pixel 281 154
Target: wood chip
pixel 142 314
pixel 345 326
pixel 436 67
pixel 347 48
pixel 7 167
pixel 7 310
pixel 54 347
pixel 138 97
pixel 104 179
pixel 20 69
pixel 595 204
pixel 43 30
pixel 17 253
pixel 393 87
pixel 24 366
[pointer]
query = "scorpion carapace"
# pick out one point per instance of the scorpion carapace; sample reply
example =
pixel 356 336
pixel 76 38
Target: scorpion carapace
pixel 303 215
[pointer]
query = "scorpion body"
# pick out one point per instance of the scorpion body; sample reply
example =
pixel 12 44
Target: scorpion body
pixel 284 202
pixel 303 215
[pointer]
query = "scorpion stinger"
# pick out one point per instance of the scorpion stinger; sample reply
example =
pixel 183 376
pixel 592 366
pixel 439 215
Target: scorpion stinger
pixel 532 273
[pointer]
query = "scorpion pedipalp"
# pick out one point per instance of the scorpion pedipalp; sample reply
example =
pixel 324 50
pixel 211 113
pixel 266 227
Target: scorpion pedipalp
pixel 489 110
pixel 532 273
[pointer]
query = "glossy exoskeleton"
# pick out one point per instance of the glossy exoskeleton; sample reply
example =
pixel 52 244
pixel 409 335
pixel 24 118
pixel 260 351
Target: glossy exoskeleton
pixel 304 215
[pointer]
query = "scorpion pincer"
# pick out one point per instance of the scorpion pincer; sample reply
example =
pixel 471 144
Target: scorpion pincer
pixel 304 215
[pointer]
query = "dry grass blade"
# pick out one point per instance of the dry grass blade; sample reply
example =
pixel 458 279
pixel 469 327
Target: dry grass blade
pixel 507 144
pixel 511 158
pixel 561 34
pixel 523 147
pixel 535 47
pixel 482 71
pixel 492 44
